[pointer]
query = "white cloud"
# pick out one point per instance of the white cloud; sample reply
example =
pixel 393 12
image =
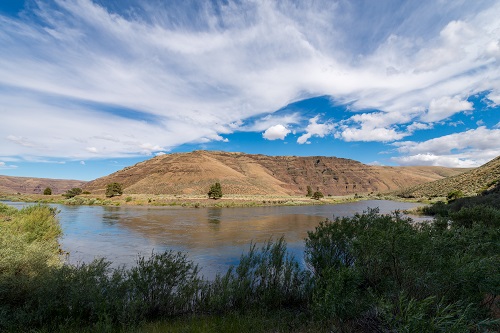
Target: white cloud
pixel 434 160
pixel 276 132
pixel 370 134
pixel 465 149
pixel 315 129
pixel 82 162
pixel 445 107
pixel 5 166
pixel 187 74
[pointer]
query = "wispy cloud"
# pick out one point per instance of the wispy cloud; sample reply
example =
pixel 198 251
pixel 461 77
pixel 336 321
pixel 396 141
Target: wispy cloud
pixel 4 166
pixel 196 73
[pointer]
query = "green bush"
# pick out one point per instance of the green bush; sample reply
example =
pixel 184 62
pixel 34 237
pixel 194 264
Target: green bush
pixel 47 191
pixel 114 189
pixel 73 192
pixel 215 191
pixel 266 278
pixel 317 195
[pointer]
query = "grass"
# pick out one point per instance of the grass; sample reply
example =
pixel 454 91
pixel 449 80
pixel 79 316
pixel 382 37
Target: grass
pixel 199 201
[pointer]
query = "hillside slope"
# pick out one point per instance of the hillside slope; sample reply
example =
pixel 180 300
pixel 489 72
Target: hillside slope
pixel 238 173
pixel 27 185
pixel 470 183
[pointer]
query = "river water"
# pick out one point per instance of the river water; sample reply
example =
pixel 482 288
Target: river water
pixel 214 238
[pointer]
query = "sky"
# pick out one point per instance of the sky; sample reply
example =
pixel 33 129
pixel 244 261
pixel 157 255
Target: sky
pixel 88 87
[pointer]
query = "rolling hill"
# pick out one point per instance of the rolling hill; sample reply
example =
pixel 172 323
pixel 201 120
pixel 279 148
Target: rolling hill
pixel 470 183
pixel 26 185
pixel 239 173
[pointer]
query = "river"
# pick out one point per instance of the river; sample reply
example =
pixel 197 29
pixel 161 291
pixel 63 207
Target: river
pixel 212 237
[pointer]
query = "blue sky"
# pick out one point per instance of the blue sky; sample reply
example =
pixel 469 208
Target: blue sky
pixel 89 87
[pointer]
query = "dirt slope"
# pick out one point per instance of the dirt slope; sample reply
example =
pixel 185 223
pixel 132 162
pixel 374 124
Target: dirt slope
pixel 26 185
pixel 238 173
pixel 471 182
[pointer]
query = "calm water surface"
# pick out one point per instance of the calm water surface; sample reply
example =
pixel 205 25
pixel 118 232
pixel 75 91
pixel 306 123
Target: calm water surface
pixel 212 237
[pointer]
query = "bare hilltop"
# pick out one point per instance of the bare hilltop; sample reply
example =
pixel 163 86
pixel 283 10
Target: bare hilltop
pixel 247 174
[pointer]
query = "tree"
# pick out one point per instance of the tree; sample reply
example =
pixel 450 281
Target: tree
pixel 114 189
pixel 47 191
pixel 215 191
pixel 317 195
pixel 309 191
pixel 73 192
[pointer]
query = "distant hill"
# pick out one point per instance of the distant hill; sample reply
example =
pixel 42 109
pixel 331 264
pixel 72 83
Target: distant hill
pixel 239 173
pixel 27 185
pixel 470 183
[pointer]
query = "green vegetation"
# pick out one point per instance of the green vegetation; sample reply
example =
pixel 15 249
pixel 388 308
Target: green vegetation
pixel 47 191
pixel 309 191
pixel 215 191
pixel 317 195
pixel 114 189
pixel 455 194
pixel 367 273
pixel 73 192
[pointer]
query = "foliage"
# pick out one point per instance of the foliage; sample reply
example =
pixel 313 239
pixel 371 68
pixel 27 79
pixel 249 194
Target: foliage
pixel 269 278
pixel 309 191
pixel 215 191
pixel 366 273
pixel 114 189
pixel 455 194
pixel 73 192
pixel 363 266
pixel 47 191
pixel 317 195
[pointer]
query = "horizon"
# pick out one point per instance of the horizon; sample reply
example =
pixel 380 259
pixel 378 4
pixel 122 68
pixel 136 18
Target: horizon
pixel 88 87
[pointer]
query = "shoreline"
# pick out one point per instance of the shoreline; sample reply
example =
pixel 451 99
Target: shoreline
pixel 196 201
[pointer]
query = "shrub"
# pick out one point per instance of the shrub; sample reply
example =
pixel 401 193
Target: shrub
pixel 309 191
pixel 47 191
pixel 266 278
pixel 114 189
pixel 73 192
pixel 215 191
pixel 317 195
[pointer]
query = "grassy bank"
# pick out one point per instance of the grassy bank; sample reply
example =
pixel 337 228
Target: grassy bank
pixel 367 273
pixel 196 201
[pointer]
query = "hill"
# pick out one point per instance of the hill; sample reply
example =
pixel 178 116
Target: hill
pixel 239 173
pixel 470 183
pixel 27 185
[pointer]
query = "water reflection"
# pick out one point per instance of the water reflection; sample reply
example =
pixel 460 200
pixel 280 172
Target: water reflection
pixel 212 237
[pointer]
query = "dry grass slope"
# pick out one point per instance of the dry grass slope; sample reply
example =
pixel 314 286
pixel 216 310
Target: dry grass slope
pixel 245 174
pixel 26 185
pixel 470 183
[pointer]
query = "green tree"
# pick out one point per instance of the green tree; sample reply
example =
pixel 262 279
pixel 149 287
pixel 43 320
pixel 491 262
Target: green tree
pixel 215 191
pixel 309 191
pixel 317 195
pixel 73 192
pixel 47 191
pixel 114 189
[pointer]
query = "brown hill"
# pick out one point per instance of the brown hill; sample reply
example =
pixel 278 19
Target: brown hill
pixel 26 185
pixel 470 183
pixel 238 173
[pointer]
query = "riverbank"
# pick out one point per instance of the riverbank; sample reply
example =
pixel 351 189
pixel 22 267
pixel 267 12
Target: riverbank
pixel 197 201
